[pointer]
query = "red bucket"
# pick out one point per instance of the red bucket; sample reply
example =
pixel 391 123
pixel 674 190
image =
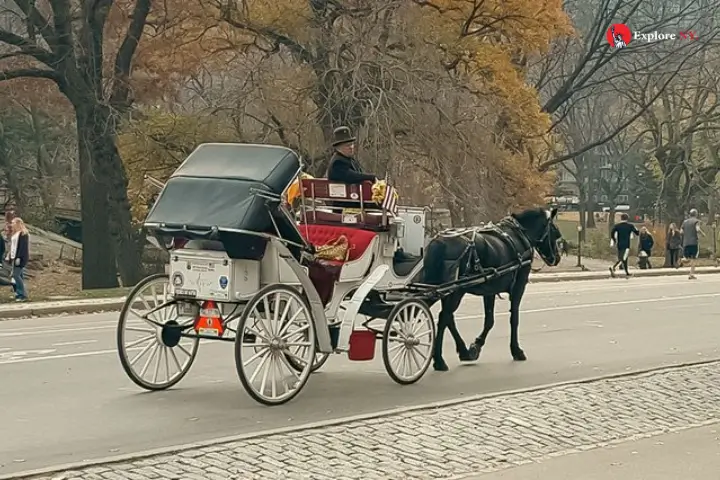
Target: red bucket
pixel 362 345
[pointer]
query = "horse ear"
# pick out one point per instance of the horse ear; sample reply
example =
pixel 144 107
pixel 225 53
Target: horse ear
pixel 553 213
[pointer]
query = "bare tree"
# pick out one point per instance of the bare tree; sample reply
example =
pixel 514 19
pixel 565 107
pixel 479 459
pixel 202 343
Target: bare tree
pixel 581 66
pixel 64 45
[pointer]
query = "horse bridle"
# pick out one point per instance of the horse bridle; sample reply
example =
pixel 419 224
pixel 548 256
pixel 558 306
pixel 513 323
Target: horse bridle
pixel 546 238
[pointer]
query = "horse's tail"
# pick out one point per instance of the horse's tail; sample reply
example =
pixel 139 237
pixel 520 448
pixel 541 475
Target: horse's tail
pixel 434 262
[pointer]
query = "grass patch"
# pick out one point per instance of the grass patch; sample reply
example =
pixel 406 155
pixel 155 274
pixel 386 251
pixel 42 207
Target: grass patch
pixel 82 295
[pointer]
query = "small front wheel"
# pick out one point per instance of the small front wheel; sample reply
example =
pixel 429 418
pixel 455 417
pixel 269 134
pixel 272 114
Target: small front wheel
pixel 408 341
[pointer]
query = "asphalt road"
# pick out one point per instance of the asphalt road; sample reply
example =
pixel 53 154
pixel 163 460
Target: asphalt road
pixel 65 397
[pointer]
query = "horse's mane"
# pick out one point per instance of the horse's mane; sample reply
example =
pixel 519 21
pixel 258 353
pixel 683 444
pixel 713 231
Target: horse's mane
pixel 529 214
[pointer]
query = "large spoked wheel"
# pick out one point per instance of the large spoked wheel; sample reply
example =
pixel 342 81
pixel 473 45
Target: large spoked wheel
pixel 408 341
pixel 153 352
pixel 275 325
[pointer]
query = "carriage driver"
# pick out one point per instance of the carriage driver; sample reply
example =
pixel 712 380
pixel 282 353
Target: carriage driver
pixel 344 168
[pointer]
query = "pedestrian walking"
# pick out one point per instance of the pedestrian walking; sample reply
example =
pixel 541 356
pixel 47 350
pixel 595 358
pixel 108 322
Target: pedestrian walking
pixel 18 257
pixel 673 244
pixel 691 240
pixel 621 236
pixel 645 245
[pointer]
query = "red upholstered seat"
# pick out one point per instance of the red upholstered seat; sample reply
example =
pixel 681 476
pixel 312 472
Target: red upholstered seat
pixel 320 235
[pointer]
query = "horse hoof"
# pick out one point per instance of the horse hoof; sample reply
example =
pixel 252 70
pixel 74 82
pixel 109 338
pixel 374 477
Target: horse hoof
pixel 519 356
pixel 471 354
pixel 440 367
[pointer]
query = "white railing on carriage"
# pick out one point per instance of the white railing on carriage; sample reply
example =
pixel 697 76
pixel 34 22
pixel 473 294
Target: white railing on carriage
pixel 234 230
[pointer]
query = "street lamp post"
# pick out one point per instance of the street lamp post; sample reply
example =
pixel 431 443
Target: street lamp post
pixel 579 237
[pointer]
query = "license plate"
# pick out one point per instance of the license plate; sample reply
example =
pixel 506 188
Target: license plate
pixel 209 331
pixel 349 219
pixel 182 292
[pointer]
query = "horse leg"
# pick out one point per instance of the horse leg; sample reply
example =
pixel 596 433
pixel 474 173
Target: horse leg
pixel 479 343
pixel 446 320
pixel 439 364
pixel 515 298
pixel 450 306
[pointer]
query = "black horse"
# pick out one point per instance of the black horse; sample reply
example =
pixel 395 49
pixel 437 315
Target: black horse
pixel 505 248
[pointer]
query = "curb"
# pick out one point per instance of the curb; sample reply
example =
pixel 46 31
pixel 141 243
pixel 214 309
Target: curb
pixel 600 275
pixel 130 457
pixel 115 304
pixel 38 310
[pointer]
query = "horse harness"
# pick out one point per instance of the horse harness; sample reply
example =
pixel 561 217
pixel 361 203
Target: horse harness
pixel 473 265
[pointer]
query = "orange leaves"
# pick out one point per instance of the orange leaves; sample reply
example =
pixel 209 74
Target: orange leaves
pixel 491 41
pixel 527 25
pixel 180 39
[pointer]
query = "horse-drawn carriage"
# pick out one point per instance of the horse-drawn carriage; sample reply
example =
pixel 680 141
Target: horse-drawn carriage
pixel 245 269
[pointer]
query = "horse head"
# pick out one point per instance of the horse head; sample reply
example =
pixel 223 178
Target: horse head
pixel 540 229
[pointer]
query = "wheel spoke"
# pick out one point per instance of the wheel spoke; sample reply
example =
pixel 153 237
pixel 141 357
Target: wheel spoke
pixel 142 352
pixel 290 369
pixel 184 350
pixel 157 364
pixel 265 372
pixel 299 360
pixel 138 329
pixel 150 358
pixel 263 360
pixel 262 351
pixel 140 341
pixel 266 316
pixel 175 360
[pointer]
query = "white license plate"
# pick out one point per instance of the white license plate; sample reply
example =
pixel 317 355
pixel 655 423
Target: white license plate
pixel 213 332
pixel 349 219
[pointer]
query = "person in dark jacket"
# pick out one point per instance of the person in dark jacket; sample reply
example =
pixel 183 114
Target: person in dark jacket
pixel 620 236
pixel 18 257
pixel 343 166
pixel 645 245
pixel 673 245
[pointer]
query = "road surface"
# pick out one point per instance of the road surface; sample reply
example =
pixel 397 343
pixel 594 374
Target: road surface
pixel 65 397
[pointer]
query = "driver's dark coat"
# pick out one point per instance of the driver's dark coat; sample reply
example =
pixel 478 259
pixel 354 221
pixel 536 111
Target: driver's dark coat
pixel 346 170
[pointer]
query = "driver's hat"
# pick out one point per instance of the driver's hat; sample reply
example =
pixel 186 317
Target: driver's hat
pixel 342 135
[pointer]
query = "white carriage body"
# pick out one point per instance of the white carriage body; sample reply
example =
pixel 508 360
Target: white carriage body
pixel 233 242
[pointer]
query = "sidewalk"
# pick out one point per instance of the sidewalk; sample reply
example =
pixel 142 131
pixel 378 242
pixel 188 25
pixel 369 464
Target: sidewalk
pixel 95 305
pixel 692 454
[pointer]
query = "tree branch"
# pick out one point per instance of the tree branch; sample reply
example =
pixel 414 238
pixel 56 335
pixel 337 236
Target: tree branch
pixel 31 73
pixel 546 165
pixel 27 47
pixel 123 60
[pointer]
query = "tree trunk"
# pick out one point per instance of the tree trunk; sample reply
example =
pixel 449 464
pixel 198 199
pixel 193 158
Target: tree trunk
pixel 611 219
pixel 109 243
pixel 98 254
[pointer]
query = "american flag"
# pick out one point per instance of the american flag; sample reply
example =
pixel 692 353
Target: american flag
pixel 390 202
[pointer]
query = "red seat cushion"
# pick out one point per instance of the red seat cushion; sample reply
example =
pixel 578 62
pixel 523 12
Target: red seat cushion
pixel 320 235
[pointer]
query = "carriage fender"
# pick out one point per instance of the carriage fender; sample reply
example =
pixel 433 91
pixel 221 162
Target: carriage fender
pixel 353 306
